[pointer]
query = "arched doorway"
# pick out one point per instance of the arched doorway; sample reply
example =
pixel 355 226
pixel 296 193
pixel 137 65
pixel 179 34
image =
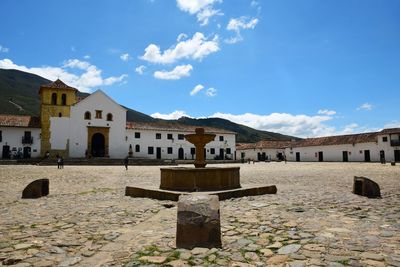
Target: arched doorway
pixel 180 153
pixel 98 145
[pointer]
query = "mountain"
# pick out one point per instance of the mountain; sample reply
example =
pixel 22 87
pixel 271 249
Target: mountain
pixel 19 95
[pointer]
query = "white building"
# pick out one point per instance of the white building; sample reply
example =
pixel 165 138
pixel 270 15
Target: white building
pixel 96 126
pixel 363 147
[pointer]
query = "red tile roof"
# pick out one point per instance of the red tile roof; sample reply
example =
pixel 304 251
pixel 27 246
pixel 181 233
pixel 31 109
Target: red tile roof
pixel 390 131
pixel 337 140
pixel 169 126
pixel 19 121
pixel 274 144
pixel 57 84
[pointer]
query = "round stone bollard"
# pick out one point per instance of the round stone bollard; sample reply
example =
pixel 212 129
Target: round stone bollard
pixel 198 222
pixel 36 189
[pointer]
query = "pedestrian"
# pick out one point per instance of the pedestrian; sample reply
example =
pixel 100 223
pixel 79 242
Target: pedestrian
pixel 61 162
pixel 58 162
pixel 126 162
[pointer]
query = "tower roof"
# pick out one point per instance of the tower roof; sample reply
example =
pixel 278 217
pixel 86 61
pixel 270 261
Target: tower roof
pixel 57 84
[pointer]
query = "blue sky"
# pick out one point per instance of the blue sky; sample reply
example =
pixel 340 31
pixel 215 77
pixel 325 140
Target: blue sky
pixel 305 68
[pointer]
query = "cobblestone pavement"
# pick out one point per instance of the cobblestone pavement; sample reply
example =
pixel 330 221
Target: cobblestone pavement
pixel 313 220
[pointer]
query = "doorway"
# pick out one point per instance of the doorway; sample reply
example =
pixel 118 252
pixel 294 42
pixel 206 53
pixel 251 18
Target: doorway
pixel 320 156
pixel 345 156
pixel 297 156
pixel 27 152
pixel 6 152
pixel 158 152
pixel 397 155
pixel 221 153
pixel 180 153
pixel 367 156
pixel 98 145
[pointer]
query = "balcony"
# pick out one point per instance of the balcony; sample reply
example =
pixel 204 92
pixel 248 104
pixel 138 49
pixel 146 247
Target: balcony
pixel 395 142
pixel 26 140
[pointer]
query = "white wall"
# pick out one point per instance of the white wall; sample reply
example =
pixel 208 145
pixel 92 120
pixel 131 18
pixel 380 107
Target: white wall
pixel 148 139
pixel 12 136
pixel 59 132
pixel 386 146
pixel 118 146
pixel 334 152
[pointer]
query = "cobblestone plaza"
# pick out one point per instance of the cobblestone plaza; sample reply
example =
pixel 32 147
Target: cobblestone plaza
pixel 313 220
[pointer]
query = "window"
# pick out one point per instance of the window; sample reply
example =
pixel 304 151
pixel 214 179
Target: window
pixel 169 150
pixel 169 136
pixel 109 117
pixel 137 135
pixel 98 114
pixel 158 136
pixel 88 115
pixel 181 137
pixel 63 99
pixel 192 150
pixel 212 151
pixel 384 139
pixel 1 136
pixel 60 114
pixel 150 150
pixel 221 138
pixel 54 98
pixel 137 148
pixel 228 150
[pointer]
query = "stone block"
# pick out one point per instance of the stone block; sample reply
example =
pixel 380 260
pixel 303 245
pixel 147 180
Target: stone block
pixel 393 163
pixel 365 187
pixel 36 189
pixel 198 223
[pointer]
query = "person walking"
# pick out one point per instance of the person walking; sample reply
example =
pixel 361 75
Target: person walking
pixel 126 162
pixel 58 162
pixel 61 162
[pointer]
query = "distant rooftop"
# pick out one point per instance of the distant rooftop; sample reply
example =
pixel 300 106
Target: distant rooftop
pixel 168 126
pixel 58 84
pixel 19 121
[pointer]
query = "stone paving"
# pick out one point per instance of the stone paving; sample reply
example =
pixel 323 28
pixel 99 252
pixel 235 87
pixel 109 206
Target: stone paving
pixel 313 220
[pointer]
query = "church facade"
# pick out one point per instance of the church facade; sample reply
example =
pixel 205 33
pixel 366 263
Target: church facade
pixel 96 126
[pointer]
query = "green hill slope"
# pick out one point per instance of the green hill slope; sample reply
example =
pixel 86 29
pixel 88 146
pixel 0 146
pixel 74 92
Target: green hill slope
pixel 19 95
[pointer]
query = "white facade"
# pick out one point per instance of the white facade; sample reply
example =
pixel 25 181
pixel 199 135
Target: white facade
pixel 356 152
pixel 386 143
pixel 18 142
pixel 165 144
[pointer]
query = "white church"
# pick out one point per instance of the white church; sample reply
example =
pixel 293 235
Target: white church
pixel 96 126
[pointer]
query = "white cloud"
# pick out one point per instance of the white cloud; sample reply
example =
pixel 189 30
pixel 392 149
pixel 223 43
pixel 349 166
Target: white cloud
pixel 140 69
pixel 238 24
pixel 365 106
pixel 202 8
pixel 84 76
pixel 181 36
pixel 124 57
pixel 296 125
pixel 350 128
pixel 172 116
pixel 4 49
pixel 211 92
pixel 175 74
pixel 195 48
pixel 326 112
pixel 393 124
pixel 196 89
pixel 86 57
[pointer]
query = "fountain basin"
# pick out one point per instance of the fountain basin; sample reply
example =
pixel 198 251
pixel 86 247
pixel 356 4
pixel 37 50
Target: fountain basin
pixel 200 179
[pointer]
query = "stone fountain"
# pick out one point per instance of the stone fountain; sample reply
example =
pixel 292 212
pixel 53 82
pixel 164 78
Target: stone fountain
pixel 221 181
pixel 200 178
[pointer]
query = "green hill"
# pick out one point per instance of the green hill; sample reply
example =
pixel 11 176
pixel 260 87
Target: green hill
pixel 19 95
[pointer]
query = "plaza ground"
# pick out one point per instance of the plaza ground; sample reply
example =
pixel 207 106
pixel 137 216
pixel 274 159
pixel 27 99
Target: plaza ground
pixel 313 220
